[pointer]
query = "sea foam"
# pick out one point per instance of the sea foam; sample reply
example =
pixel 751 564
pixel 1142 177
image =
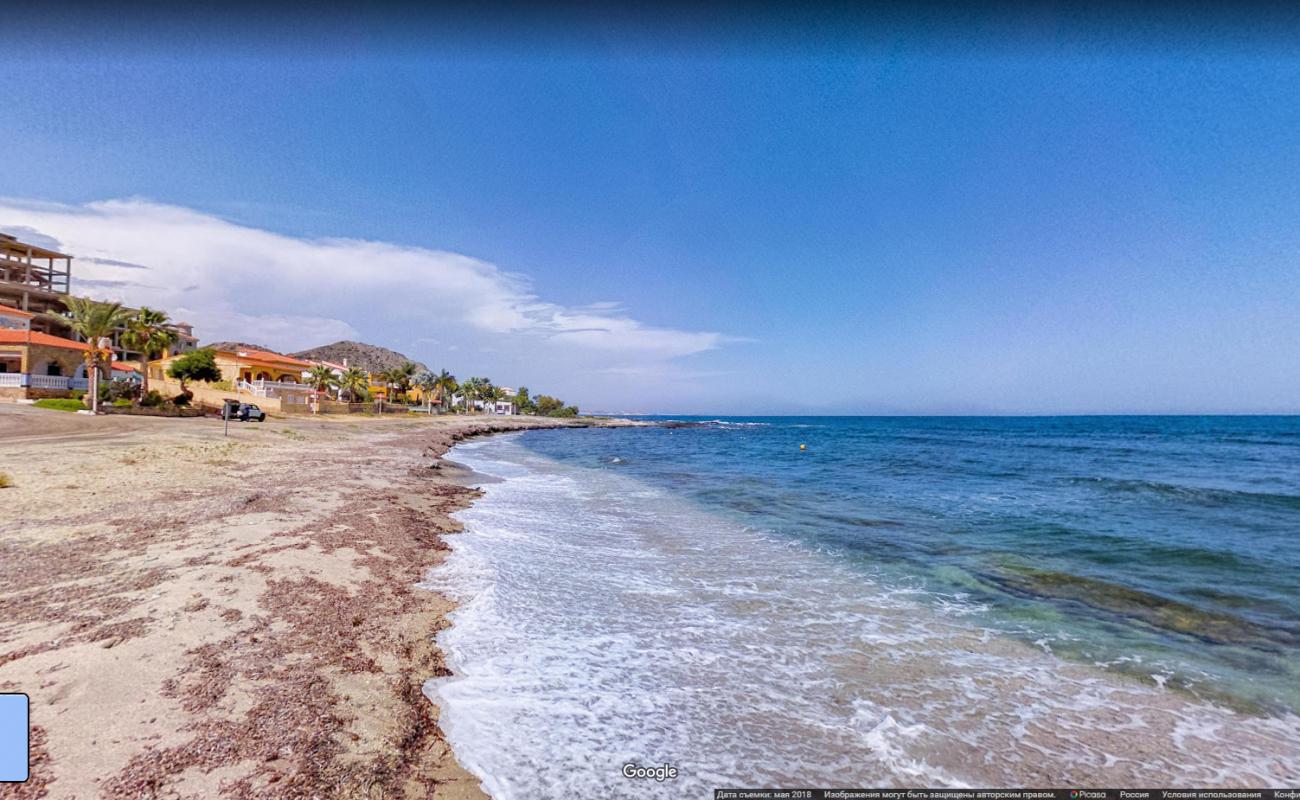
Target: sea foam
pixel 604 621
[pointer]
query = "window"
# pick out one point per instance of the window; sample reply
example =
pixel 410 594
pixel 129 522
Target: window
pixel 54 368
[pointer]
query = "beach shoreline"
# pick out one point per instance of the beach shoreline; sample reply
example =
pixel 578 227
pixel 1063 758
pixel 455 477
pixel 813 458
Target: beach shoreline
pixel 200 615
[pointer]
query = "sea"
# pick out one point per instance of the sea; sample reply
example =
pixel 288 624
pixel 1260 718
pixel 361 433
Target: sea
pixel 849 602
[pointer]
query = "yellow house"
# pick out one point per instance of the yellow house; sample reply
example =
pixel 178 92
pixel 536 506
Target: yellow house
pixel 247 367
pixel 251 373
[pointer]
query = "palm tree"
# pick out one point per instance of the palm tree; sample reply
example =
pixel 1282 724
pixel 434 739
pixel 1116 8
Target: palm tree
pixel 426 382
pixel 95 322
pixel 354 381
pixel 473 389
pixel 149 333
pixel 392 383
pixel 403 375
pixel 496 394
pixel 445 383
pixel 321 378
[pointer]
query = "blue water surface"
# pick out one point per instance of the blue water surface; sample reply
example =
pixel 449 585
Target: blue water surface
pixel 1163 547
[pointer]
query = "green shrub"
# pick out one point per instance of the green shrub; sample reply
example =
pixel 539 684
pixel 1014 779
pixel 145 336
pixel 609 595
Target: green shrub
pixel 181 400
pixel 61 404
pixel 123 390
pixel 152 399
pixel 121 402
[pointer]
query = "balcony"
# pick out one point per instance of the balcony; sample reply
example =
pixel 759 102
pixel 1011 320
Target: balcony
pixel 284 390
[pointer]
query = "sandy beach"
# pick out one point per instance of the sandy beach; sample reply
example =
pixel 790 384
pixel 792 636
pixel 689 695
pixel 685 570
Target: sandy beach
pixel 195 615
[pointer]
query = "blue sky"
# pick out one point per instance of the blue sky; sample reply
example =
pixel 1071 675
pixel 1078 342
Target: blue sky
pixel 1029 213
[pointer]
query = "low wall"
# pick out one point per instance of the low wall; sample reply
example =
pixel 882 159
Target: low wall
pixel 40 394
pixel 325 407
pixel 207 396
pixel 147 411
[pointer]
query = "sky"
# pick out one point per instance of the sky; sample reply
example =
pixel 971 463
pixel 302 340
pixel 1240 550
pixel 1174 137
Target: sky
pixel 930 210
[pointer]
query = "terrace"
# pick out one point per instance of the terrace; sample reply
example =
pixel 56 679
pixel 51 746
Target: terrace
pixel 37 269
pixel 34 280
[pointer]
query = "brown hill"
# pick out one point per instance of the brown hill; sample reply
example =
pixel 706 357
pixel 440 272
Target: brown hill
pixel 371 358
pixel 233 346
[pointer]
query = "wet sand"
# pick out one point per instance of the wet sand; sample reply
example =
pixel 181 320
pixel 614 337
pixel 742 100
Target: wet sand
pixel 202 616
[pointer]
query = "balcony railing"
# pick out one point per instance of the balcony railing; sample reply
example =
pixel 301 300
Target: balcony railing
pixel 23 379
pixel 48 381
pixel 295 392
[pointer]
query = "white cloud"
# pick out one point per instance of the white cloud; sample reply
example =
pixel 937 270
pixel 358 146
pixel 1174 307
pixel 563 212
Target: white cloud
pixel 236 282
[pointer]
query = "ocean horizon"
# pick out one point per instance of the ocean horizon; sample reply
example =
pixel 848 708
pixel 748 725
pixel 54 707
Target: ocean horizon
pixel 996 601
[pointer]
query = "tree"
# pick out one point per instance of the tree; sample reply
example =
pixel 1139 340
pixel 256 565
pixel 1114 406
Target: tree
pixel 321 378
pixel 427 383
pixel 398 379
pixel 494 394
pixel 149 333
pixel 547 405
pixel 475 389
pixel 196 365
pixel 446 386
pixel 403 375
pixel 523 402
pixel 469 392
pixel 93 321
pixel 354 381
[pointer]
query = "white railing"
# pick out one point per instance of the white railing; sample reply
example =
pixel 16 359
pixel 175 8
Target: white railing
pixel 283 389
pixel 11 379
pixel 245 386
pixel 48 382
pixel 79 383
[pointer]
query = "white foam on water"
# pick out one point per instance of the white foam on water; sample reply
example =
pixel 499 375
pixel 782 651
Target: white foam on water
pixel 604 621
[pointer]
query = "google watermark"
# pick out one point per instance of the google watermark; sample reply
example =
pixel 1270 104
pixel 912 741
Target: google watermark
pixel 658 774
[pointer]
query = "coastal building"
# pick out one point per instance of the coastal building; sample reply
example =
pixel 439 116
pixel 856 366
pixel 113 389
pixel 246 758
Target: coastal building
pixel 506 406
pixel 35 364
pixel 36 280
pixel 259 373
pixel 377 387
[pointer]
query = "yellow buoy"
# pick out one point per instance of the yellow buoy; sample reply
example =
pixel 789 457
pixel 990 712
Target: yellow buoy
pixel 803 447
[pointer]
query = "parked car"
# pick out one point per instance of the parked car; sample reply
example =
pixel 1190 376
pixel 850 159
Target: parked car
pixel 233 409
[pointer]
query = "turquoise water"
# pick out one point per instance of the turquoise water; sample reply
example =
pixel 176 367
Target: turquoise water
pixel 1166 547
pixel 955 602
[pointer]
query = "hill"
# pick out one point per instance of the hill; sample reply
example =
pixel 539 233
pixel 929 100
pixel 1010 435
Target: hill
pixel 231 346
pixel 371 358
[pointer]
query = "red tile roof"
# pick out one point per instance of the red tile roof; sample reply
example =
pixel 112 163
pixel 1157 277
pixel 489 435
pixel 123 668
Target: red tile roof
pixel 15 312
pixel 125 367
pixel 36 337
pixel 266 357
